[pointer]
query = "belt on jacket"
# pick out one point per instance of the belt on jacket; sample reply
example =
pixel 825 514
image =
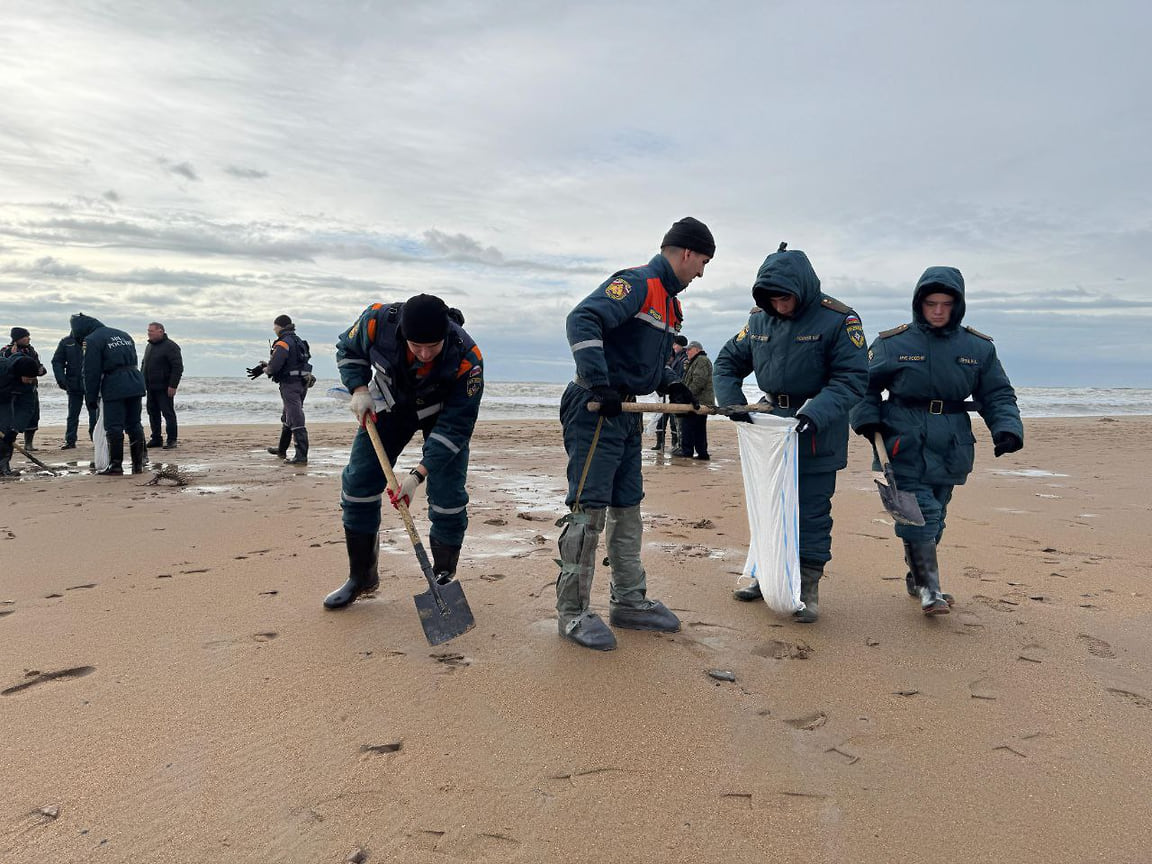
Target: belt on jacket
pixel 937 406
pixel 787 401
pixel 624 397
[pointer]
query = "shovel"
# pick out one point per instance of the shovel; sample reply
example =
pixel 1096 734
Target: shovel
pixel 31 458
pixel 443 609
pixel 901 506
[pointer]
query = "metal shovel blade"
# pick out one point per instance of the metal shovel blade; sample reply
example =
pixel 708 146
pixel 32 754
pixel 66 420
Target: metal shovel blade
pixel 444 612
pixel 901 506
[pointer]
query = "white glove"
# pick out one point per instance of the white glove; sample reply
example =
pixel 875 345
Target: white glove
pixel 362 406
pixel 409 486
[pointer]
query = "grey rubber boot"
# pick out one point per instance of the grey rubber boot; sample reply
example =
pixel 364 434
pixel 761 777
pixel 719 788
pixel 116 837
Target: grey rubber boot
pixel 910 581
pixel 300 457
pixel 578 542
pixel 444 560
pixel 363 555
pixel 926 572
pixel 810 573
pixel 282 449
pixel 749 592
pixel 630 607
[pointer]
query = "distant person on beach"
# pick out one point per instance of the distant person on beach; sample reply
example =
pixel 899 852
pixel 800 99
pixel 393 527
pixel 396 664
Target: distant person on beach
pixel 68 367
pixel 671 421
pixel 807 350
pixel 162 368
pixel 621 336
pixel 21 344
pixel 694 427
pixel 290 367
pixel 18 373
pixel 112 373
pixel 930 367
pixel 410 367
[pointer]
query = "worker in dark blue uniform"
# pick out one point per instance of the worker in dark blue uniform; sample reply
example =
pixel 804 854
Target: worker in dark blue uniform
pixel 930 368
pixel 67 366
pixel 621 336
pixel 18 373
pixel 410 367
pixel 290 368
pixel 807 350
pixel 112 374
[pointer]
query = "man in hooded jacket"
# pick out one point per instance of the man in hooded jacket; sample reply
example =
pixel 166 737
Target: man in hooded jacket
pixel 807 350
pixel 18 373
pixel 930 368
pixel 112 373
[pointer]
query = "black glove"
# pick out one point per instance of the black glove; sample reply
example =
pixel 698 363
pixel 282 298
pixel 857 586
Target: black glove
pixel 257 370
pixel 609 399
pixel 868 431
pixel 741 417
pixel 804 424
pixel 1005 442
pixel 679 394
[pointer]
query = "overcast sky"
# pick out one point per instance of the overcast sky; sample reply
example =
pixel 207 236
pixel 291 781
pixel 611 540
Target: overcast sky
pixel 213 165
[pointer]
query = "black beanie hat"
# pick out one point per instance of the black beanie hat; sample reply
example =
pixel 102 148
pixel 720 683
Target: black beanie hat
pixel 282 321
pixel 680 339
pixel 19 333
pixel 691 234
pixel 25 367
pixel 424 319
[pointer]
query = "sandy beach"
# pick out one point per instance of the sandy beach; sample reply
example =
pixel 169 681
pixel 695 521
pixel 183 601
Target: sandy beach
pixel 173 690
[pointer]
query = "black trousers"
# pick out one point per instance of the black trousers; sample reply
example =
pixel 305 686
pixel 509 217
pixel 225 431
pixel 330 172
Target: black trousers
pixel 75 403
pixel 694 434
pixel 160 404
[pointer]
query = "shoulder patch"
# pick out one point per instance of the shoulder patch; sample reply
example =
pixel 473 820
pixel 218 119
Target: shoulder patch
pixel 754 310
pixel 855 330
pixel 884 334
pixel 618 289
pixel 835 305
pixel 743 334
pixel 976 332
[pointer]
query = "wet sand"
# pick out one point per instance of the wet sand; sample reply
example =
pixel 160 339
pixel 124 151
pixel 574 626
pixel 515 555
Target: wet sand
pixel 172 689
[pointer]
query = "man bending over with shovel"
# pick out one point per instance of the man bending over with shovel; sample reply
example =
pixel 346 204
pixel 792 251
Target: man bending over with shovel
pixel 410 367
pixel 621 337
pixel 929 368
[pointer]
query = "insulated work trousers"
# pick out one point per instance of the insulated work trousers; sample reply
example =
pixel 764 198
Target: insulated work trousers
pixel 123 415
pixel 160 404
pixel 933 501
pixel 362 484
pixel 815 504
pixel 292 393
pixel 75 403
pixel 614 478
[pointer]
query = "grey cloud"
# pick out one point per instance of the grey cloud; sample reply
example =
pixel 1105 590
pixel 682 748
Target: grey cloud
pixel 245 173
pixel 184 169
pixel 111 195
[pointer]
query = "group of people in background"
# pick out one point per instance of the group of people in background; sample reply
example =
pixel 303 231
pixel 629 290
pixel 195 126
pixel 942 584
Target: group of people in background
pixel 97 367
pixel 411 367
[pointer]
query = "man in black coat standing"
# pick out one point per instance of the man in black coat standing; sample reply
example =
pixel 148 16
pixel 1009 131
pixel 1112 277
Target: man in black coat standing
pixel 68 367
pixel 162 368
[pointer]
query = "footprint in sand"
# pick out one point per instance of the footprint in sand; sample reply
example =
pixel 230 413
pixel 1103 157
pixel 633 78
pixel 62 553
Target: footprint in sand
pixel 1097 647
pixel 1128 696
pixel 37 678
pixel 241 641
pixel 808 722
pixel 778 649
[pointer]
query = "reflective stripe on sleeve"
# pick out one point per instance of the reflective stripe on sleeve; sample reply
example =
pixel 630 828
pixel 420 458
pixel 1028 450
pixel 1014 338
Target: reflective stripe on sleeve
pixel 587 343
pixel 443 440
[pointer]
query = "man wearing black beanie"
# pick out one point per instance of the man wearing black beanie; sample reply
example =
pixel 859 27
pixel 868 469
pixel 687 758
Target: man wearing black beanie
pixel 18 374
pixel 21 346
pixel 410 367
pixel 621 336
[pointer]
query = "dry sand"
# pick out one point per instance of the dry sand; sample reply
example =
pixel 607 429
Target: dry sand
pixel 174 691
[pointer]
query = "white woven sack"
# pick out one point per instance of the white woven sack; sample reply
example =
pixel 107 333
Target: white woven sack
pixel 768 460
pixel 100 441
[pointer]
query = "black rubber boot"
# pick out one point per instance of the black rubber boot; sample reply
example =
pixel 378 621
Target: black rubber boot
pixel 810 573
pixel 28 436
pixel 444 560
pixel 659 445
pixel 926 572
pixel 156 442
pixel 363 554
pixel 749 592
pixel 139 455
pixel 910 581
pixel 6 450
pixel 115 459
pixel 281 450
pixel 300 457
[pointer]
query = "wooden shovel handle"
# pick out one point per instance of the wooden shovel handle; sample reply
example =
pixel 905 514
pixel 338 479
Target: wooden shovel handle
pixel 390 476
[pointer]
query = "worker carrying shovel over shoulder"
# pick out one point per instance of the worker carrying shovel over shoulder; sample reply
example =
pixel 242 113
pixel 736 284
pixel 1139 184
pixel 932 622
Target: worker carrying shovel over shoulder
pixel 807 350
pixel 930 368
pixel 410 367
pixel 621 336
